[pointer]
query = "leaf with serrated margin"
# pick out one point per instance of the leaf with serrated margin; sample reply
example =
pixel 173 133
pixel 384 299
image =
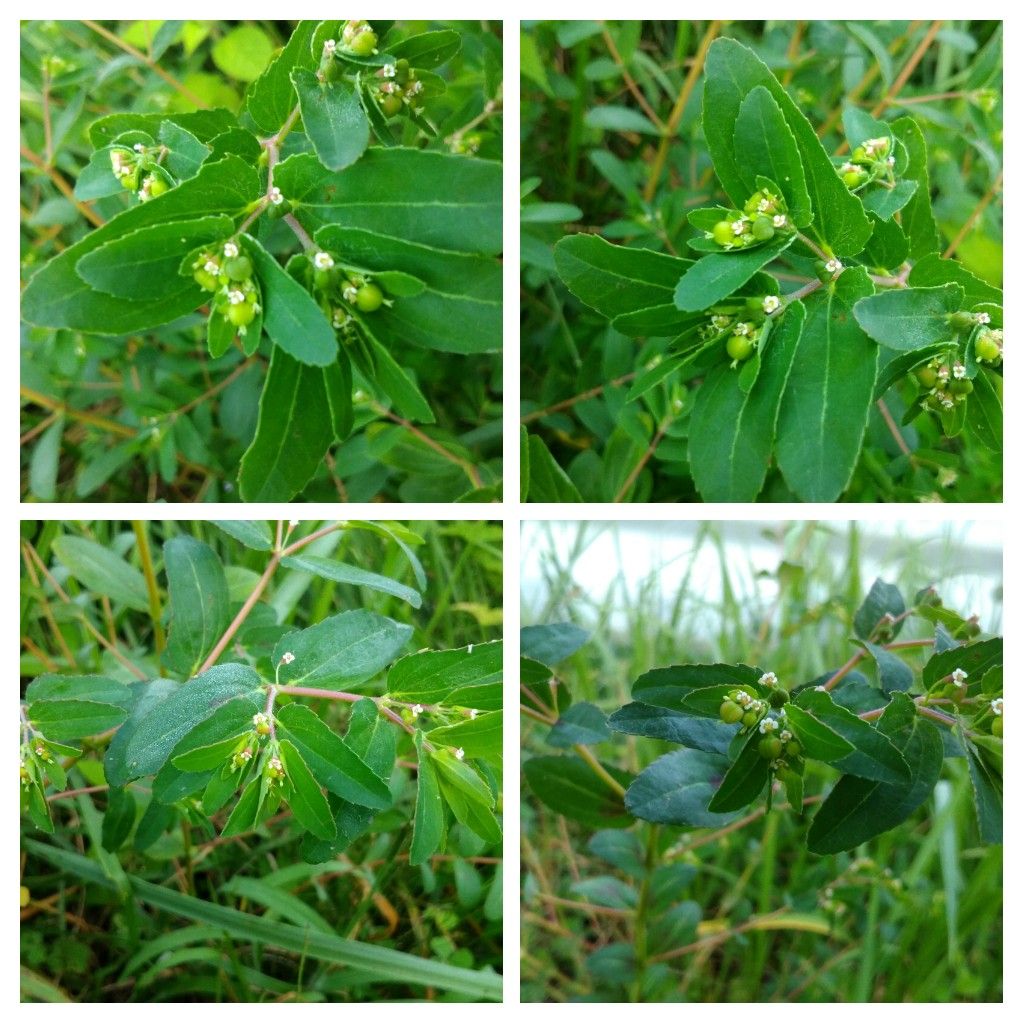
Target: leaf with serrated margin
pixel 464 677
pixel 916 217
pixel 676 789
pixel 667 687
pixel 708 734
pixel 975 659
pixel 428 827
pixel 909 318
pixel 333 119
pixel 271 98
pixel 745 780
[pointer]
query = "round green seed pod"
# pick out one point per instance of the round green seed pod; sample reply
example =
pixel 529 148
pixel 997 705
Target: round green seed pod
pixel 730 712
pixel 962 321
pixel 926 377
pixel 402 71
pixel 369 298
pixel 763 229
pixel 749 718
pixel 778 697
pixel 158 186
pixel 239 268
pixel 241 314
pixel 722 233
pixel 364 44
pixel 997 726
pixel 851 179
pixel 205 280
pixel 739 347
pixel 793 748
pixel 961 386
pixel 769 747
pixel 986 348
pixel 390 104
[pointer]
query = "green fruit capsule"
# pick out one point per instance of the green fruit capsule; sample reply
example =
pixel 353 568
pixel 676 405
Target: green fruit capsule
pixel 997 726
pixel 859 156
pixel 926 377
pixel 749 718
pixel 851 179
pixel 157 186
pixel 769 747
pixel 402 71
pixel 986 348
pixel 778 697
pixel 722 233
pixel 730 712
pixel 390 104
pixel 241 314
pixel 763 230
pixel 364 44
pixel 961 387
pixel 369 298
pixel 205 280
pixel 962 321
pixel 793 748
pixel 739 347
pixel 239 268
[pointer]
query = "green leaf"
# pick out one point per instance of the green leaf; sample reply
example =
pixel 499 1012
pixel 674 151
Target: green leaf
pixel 916 218
pixel 985 410
pixel 718 274
pixel 975 659
pixel 829 393
pixel 428 828
pixel 668 687
pixel 243 53
pixel 185 153
pixel 933 270
pixel 90 688
pixel 58 297
pixel 909 318
pixel 614 279
pixel 893 672
pixel 329 569
pixel 744 781
pixel 342 650
pixel 368 959
pixel 144 264
pixel 159 731
pixel 473 814
pixel 74 719
pixel 874 757
pixel 859 126
pixel 198 601
pixel 819 741
pixel 331 760
pixel 293 432
pixel 145 696
pixel 732 431
pixel 883 599
pixel 271 97
pixel 732 71
pixel 698 733
pixel 676 788
pixel 253 533
pixel 203 124
pixel 333 119
pixel 614 118
pixel 305 797
pixel 765 147
pixel 571 788
pixel 102 571
pixel 477 737
pixel 427 49
pixel 859 809
pixel 44 464
pixel 987 787
pixel 450 202
pixel 464 677
pixel 291 317
pixel 243 815
pixel 394 381
pixel 118 819
pixel 885 202
pixel 459 775
pixel 581 723
pixel 204 759
pixel 281 904
pixel 551 642
pixel 548 481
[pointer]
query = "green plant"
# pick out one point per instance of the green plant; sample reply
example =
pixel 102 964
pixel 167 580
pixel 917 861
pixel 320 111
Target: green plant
pixel 228 726
pixel 332 238
pixel 817 307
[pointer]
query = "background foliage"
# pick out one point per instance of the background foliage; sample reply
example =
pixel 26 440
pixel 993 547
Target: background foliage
pixel 618 909
pixel 150 415
pixel 246 918
pixel 613 145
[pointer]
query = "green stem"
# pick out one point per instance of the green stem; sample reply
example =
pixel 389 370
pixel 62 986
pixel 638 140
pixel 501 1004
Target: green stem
pixel 153 592
pixel 640 935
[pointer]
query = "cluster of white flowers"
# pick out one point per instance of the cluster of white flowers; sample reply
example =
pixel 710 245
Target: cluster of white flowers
pixel 417 710
pixel 235 297
pixel 743 698
pixel 741 328
pixel 959 371
pixel 330 45
pixel 460 754
pixel 779 220
pixel 769 678
pixel 230 250
pixel 339 319
pixel 738 227
pixel 388 71
pixel 982 318
pixel 260 718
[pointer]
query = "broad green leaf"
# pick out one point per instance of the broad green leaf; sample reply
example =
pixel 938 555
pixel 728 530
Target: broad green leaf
pixel 155 821
pixel 916 217
pixel 667 687
pixel 291 317
pixel 874 757
pixel 718 274
pixel 859 809
pixel 171 785
pixel 829 393
pixel 551 642
pixel 987 787
pixel 883 600
pixel 329 569
pixel 676 789
pixel 198 601
pixel 614 279
pixel 145 696
pixel 909 318
pixel 893 672
pixel 253 533
pixel 933 270
pixel 732 431
pixel 571 788
pixel 885 202
pixel 698 733
pixel 293 432
pixel 331 760
pixel 460 775
pixel 985 410
pixel 118 819
pixel 818 740
pixel 975 659
pixel 428 49
pixel 451 202
pixel 333 119
pixel 243 53
pixel 458 311
pixel 144 264
pixel 102 571
pixel 548 481
pixel 732 71
pixel 707 700
pixel 657 321
pixel 230 721
pixel 90 688
pixel 203 124
pixel 896 367
pixel 243 816
pixel 271 98
pixel 428 828
pixel 765 147
pixel 888 247
pixel 157 734
pixel 342 650
pixel 58 297
pixel 74 719
pixel 185 153
pixel 394 380
pixel 859 126
pixel 305 797
pixel 467 677
pixel 745 780
pixel 582 723
pixel 477 737
pixel 220 789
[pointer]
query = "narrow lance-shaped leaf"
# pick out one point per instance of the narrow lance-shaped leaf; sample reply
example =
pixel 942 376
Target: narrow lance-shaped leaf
pixel 744 781
pixel 330 569
pixel 305 797
pixel 271 97
pixel 74 719
pixel 428 828
pixel 916 217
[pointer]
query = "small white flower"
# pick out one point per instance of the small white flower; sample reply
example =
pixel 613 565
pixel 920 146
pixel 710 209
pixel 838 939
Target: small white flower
pixel 779 220
pixel 287 658
pixel 848 167
pixel 763 205
pixel 139 147
pixel 275 763
pixel 275 196
pixel 946 402
pixel 235 297
pixel 417 710
pixel 821 689
pixel 959 371
pixel 415 88
pixel 946 477
pixel 329 46
pixel 348 293
pixel 246 755
pixel 738 226
pixel 473 712
pixel 230 250
pixel 387 88
pixel 768 725
pixel 339 319
pixel 833 266
pixel 721 322
pixel 741 328
pixel 769 678
pixel 942 373
pixel 323 261
pixel 388 71
pixel 785 735
pixel 890 161
pixel 459 754
pixel 293 523
pixel 40 751
pixel 958 676
pixel 259 718
pixel 996 706
pixel 211 267
pixel 743 698
pixel 982 318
